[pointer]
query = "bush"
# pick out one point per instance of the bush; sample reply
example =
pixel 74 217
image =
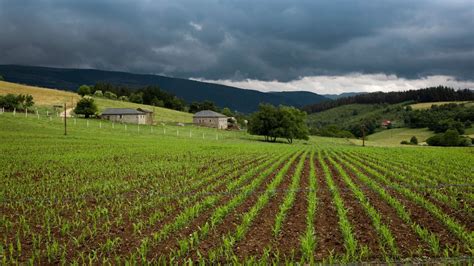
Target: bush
pixel 84 90
pixel 98 93
pixel 450 138
pixel 404 142
pixel 110 95
pixel 414 140
pixel 123 98
pixel 19 102
pixel 435 140
pixel 86 106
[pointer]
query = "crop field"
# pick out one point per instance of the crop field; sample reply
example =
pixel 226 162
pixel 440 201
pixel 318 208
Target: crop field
pixel 110 195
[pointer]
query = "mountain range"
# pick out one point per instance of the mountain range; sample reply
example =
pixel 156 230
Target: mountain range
pixel 236 99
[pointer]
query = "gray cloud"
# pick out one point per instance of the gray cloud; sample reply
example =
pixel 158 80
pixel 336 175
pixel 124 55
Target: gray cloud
pixel 243 39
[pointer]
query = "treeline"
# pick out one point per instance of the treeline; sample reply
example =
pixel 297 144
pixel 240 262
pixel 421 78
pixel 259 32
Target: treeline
pixel 16 102
pixel 432 94
pixel 440 118
pixel 150 95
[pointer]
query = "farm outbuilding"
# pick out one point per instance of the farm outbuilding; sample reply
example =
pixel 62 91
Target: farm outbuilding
pixel 210 118
pixel 128 115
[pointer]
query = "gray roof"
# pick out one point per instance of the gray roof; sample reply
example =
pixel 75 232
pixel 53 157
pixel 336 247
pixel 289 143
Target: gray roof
pixel 144 110
pixel 121 111
pixel 208 113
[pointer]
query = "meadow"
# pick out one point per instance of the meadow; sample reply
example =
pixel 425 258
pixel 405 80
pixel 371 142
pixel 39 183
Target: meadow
pixel 111 194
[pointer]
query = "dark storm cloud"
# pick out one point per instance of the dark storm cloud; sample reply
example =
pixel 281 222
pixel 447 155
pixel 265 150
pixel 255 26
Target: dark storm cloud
pixel 263 40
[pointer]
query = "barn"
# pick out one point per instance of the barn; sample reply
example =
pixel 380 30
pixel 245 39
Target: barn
pixel 210 118
pixel 128 115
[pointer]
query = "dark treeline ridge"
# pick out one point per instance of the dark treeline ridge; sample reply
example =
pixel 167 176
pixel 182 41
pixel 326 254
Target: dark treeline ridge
pixel 432 94
pixel 150 95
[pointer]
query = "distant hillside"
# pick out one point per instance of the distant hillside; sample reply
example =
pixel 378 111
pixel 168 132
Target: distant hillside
pixel 432 94
pixel 224 96
pixel 47 98
pixel 342 95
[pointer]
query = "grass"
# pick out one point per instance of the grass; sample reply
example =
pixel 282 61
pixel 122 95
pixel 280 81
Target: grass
pixel 41 96
pixel 45 99
pixel 393 137
pixel 420 106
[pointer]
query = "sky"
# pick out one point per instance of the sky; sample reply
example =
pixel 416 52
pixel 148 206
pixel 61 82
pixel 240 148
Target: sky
pixel 325 46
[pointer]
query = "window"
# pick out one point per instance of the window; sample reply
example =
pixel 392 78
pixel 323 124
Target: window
pixel 120 116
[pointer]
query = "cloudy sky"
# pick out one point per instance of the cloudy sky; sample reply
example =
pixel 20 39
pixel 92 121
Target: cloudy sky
pixel 322 46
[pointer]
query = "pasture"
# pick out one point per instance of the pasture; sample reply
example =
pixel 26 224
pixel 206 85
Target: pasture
pixel 106 194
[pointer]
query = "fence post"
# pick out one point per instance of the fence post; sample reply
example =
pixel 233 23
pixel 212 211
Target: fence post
pixel 74 121
pixel 138 128
pixel 202 135
pixel 125 126
pixel 100 124
pixel 26 112
pixel 113 125
pixel 14 111
pixel 190 133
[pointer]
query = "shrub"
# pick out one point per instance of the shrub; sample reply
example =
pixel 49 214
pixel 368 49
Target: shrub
pixel 404 142
pixel 98 93
pixel 84 90
pixel 110 95
pixel 450 138
pixel 414 140
pixel 86 106
pixel 19 102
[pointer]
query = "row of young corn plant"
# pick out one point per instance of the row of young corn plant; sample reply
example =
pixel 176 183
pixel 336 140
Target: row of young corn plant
pixel 466 236
pixel 308 239
pixel 143 226
pixel 217 217
pixel 430 182
pixel 352 250
pixel 442 164
pixel 225 251
pixel 429 237
pixel 290 196
pixel 387 241
pixel 190 213
pixel 444 191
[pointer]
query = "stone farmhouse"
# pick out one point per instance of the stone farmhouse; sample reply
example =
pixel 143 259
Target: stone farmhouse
pixel 210 118
pixel 128 115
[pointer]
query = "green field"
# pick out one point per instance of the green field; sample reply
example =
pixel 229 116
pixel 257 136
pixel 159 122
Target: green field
pixel 110 194
pixel 393 137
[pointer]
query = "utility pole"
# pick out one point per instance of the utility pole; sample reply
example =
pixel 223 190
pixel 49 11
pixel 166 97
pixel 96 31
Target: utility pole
pixel 363 135
pixel 65 125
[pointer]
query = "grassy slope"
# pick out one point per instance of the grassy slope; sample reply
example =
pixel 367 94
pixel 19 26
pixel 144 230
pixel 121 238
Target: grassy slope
pixel 41 96
pixel 46 98
pixel 393 137
pixel 419 106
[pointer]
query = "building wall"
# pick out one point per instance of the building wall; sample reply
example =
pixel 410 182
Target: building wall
pixel 132 119
pixel 216 122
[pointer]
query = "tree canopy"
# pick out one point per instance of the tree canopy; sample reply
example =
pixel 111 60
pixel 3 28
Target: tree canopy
pixel 86 106
pixel 278 122
pixel 18 102
pixel 84 90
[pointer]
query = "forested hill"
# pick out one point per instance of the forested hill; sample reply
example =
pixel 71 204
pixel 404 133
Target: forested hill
pixel 432 94
pixel 223 96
